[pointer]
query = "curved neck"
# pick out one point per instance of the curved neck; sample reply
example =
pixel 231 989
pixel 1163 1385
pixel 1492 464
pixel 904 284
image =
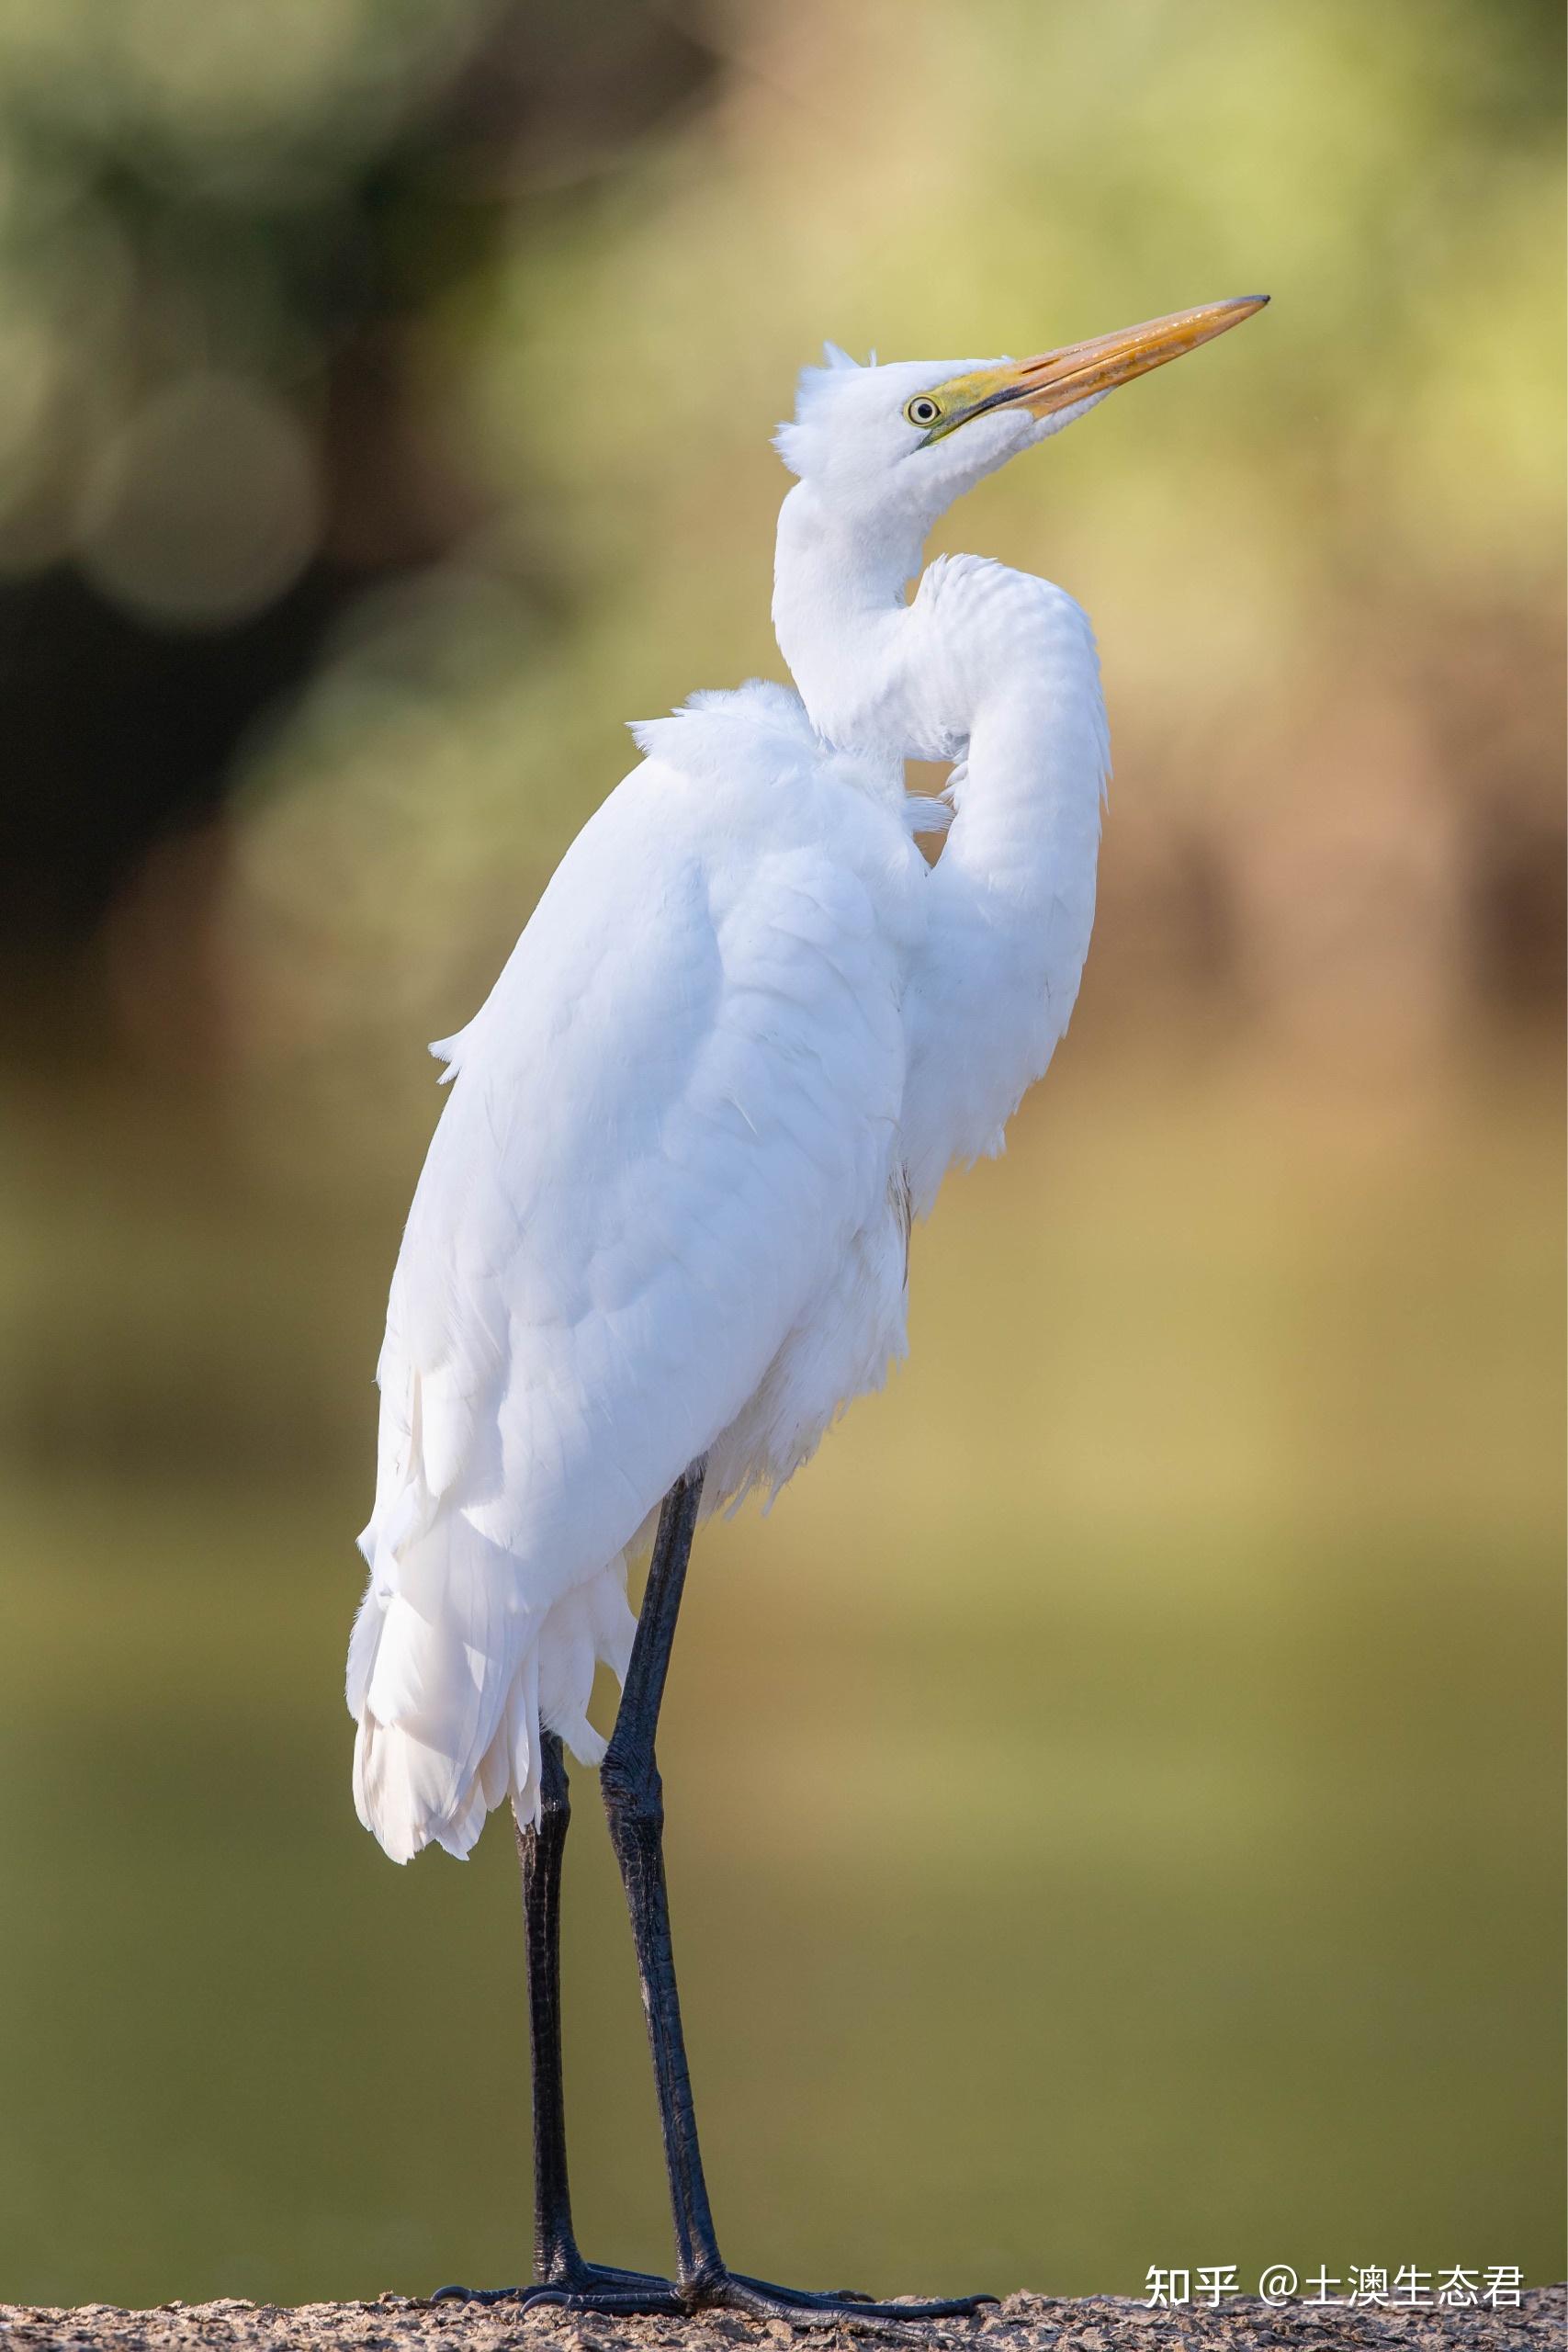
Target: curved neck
pixel 840 587
pixel 998 671
pixel 1012 669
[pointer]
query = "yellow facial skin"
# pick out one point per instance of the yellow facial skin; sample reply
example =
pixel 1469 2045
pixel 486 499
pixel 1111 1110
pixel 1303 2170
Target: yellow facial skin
pixel 1055 380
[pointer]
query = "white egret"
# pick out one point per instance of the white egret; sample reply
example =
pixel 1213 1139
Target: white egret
pixel 662 1235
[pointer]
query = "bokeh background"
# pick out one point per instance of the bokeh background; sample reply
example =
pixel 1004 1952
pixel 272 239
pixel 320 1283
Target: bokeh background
pixel 1114 1798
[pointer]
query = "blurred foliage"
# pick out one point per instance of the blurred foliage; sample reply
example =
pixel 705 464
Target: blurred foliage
pixel 221 418
pixel 1112 1797
pixel 1324 562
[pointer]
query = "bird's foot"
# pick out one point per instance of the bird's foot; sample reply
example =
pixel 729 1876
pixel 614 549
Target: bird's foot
pixel 591 2287
pixel 580 2285
pixel 805 2306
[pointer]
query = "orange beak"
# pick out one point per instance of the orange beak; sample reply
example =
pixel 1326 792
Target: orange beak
pixel 1056 380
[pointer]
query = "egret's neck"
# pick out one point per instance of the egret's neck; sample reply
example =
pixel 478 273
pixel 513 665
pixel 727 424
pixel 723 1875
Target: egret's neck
pixel 839 614
pixel 998 671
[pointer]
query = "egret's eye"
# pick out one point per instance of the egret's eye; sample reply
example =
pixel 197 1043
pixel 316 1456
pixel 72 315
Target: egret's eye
pixel 921 410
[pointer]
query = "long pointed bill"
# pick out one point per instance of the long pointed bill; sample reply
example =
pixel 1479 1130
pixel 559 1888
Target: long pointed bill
pixel 1056 380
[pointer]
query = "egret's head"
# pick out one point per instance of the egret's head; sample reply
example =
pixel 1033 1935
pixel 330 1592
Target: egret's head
pixel 905 441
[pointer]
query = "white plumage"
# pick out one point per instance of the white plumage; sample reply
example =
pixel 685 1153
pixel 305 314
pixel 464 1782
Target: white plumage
pixel 665 1213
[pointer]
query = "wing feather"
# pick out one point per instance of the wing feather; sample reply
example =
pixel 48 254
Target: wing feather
pixel 670 1122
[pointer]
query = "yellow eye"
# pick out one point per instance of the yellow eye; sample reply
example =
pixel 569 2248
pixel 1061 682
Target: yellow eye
pixel 921 410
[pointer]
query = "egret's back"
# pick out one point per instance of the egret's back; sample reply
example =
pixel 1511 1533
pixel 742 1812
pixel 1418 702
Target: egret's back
pixel 660 1218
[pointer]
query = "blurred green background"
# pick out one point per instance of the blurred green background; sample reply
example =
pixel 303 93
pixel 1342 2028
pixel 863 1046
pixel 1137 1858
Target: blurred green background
pixel 1115 1796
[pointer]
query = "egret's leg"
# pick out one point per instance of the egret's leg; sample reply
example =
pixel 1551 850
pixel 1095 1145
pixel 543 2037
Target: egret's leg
pixel 541 1851
pixel 633 1802
pixel 561 2273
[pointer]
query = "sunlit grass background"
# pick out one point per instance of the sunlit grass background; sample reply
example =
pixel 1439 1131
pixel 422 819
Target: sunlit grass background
pixel 1115 1797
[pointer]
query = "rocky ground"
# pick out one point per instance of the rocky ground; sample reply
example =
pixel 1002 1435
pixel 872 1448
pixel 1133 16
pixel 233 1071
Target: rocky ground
pixel 1023 2324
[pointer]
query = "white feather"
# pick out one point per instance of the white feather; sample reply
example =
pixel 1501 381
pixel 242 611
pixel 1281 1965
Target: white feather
pixel 665 1212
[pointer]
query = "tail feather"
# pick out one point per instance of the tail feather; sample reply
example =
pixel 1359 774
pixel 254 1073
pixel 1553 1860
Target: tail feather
pixel 522 1739
pixel 448 1698
pixel 590 1623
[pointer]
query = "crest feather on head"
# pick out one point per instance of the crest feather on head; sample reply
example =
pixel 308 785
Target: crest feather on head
pixel 811 382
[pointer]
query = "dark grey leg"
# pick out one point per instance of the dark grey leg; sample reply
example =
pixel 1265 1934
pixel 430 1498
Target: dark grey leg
pixel 541 1852
pixel 634 1800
